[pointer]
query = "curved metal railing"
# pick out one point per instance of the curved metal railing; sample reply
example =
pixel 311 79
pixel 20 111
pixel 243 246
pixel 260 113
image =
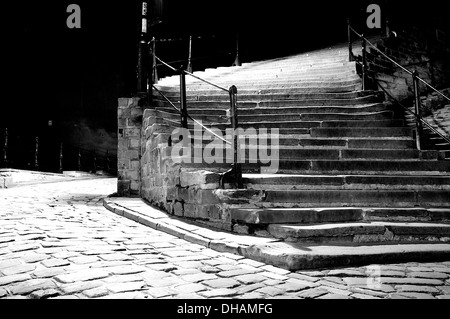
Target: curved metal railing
pixel 235 173
pixel 415 77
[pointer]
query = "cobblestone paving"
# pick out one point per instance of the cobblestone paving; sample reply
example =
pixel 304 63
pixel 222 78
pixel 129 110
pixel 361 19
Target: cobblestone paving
pixel 57 241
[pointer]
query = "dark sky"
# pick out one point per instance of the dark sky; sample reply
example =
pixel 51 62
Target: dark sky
pixel 53 72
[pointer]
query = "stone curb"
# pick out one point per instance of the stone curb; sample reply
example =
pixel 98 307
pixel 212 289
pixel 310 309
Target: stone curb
pixel 291 256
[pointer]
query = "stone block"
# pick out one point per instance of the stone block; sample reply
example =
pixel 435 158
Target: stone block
pixel 135 165
pixel 135 186
pixel 178 209
pixel 190 210
pixel 123 187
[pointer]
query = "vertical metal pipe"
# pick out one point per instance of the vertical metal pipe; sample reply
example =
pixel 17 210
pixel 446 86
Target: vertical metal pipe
pixel 364 64
pixel 237 62
pixel 107 161
pixel 95 162
pixel 189 67
pixel 184 113
pixel 79 160
pixel 350 47
pixel 237 167
pixel 5 148
pixel 61 158
pixel 36 154
pixel 155 66
pixel 142 70
pixel 417 110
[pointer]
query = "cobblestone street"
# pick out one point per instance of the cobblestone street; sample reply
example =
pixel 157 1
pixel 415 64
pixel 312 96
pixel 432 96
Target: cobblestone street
pixel 58 241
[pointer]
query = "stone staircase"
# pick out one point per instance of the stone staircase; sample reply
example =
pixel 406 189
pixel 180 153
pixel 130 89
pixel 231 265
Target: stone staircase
pixel 348 172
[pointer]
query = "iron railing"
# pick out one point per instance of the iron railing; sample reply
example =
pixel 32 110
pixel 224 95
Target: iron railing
pixel 38 153
pixel 419 120
pixel 234 175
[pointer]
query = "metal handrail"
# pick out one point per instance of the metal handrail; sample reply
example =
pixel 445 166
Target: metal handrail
pixel 417 116
pixel 190 117
pixel 189 73
pixel 236 171
pixel 399 65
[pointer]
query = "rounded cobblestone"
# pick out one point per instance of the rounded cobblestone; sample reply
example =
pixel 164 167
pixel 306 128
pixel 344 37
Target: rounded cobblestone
pixel 57 241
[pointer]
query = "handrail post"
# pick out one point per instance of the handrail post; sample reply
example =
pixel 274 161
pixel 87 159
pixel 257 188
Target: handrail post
pixel 417 109
pixel 61 158
pixel 184 113
pixel 36 154
pixel 154 65
pixel 5 148
pixel 107 161
pixel 364 64
pixel 95 162
pixel 350 47
pixel 79 160
pixel 141 68
pixel 237 167
pixel 189 67
pixel 237 62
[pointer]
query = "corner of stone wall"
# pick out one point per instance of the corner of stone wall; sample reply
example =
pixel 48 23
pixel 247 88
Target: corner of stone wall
pixel 128 149
pixel 180 191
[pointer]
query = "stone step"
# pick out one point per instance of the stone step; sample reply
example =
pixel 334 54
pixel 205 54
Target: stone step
pixel 287 88
pixel 255 97
pixel 332 143
pixel 221 117
pixel 263 123
pixel 310 111
pixel 331 70
pixel 317 167
pixel 301 256
pixel 218 150
pixel 361 132
pixel 372 232
pixel 292 89
pixel 371 99
pixel 370 182
pixel 364 198
pixel 266 216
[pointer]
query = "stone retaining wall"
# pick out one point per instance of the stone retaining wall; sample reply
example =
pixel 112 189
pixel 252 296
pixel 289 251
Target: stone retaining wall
pixel 179 190
pixel 129 145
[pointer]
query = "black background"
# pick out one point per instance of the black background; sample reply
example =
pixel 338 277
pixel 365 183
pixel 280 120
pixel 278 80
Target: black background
pixel 53 72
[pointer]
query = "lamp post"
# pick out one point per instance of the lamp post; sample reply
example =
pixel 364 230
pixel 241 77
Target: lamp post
pixel 142 52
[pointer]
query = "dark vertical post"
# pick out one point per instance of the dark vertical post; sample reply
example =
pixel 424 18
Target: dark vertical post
pixel 364 64
pixel 79 159
pixel 237 167
pixel 61 158
pixel 184 113
pixel 189 67
pixel 237 62
pixel 95 162
pixel 350 47
pixel 417 110
pixel 5 149
pixel 107 161
pixel 155 66
pixel 36 154
pixel 142 70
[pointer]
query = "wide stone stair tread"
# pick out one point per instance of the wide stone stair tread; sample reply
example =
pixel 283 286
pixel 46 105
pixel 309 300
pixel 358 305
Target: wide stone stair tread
pixel 322 215
pixel 363 232
pixel 301 256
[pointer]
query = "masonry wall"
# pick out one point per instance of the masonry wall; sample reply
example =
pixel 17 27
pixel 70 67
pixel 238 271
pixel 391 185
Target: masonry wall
pixel 180 191
pixel 414 49
pixel 128 149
